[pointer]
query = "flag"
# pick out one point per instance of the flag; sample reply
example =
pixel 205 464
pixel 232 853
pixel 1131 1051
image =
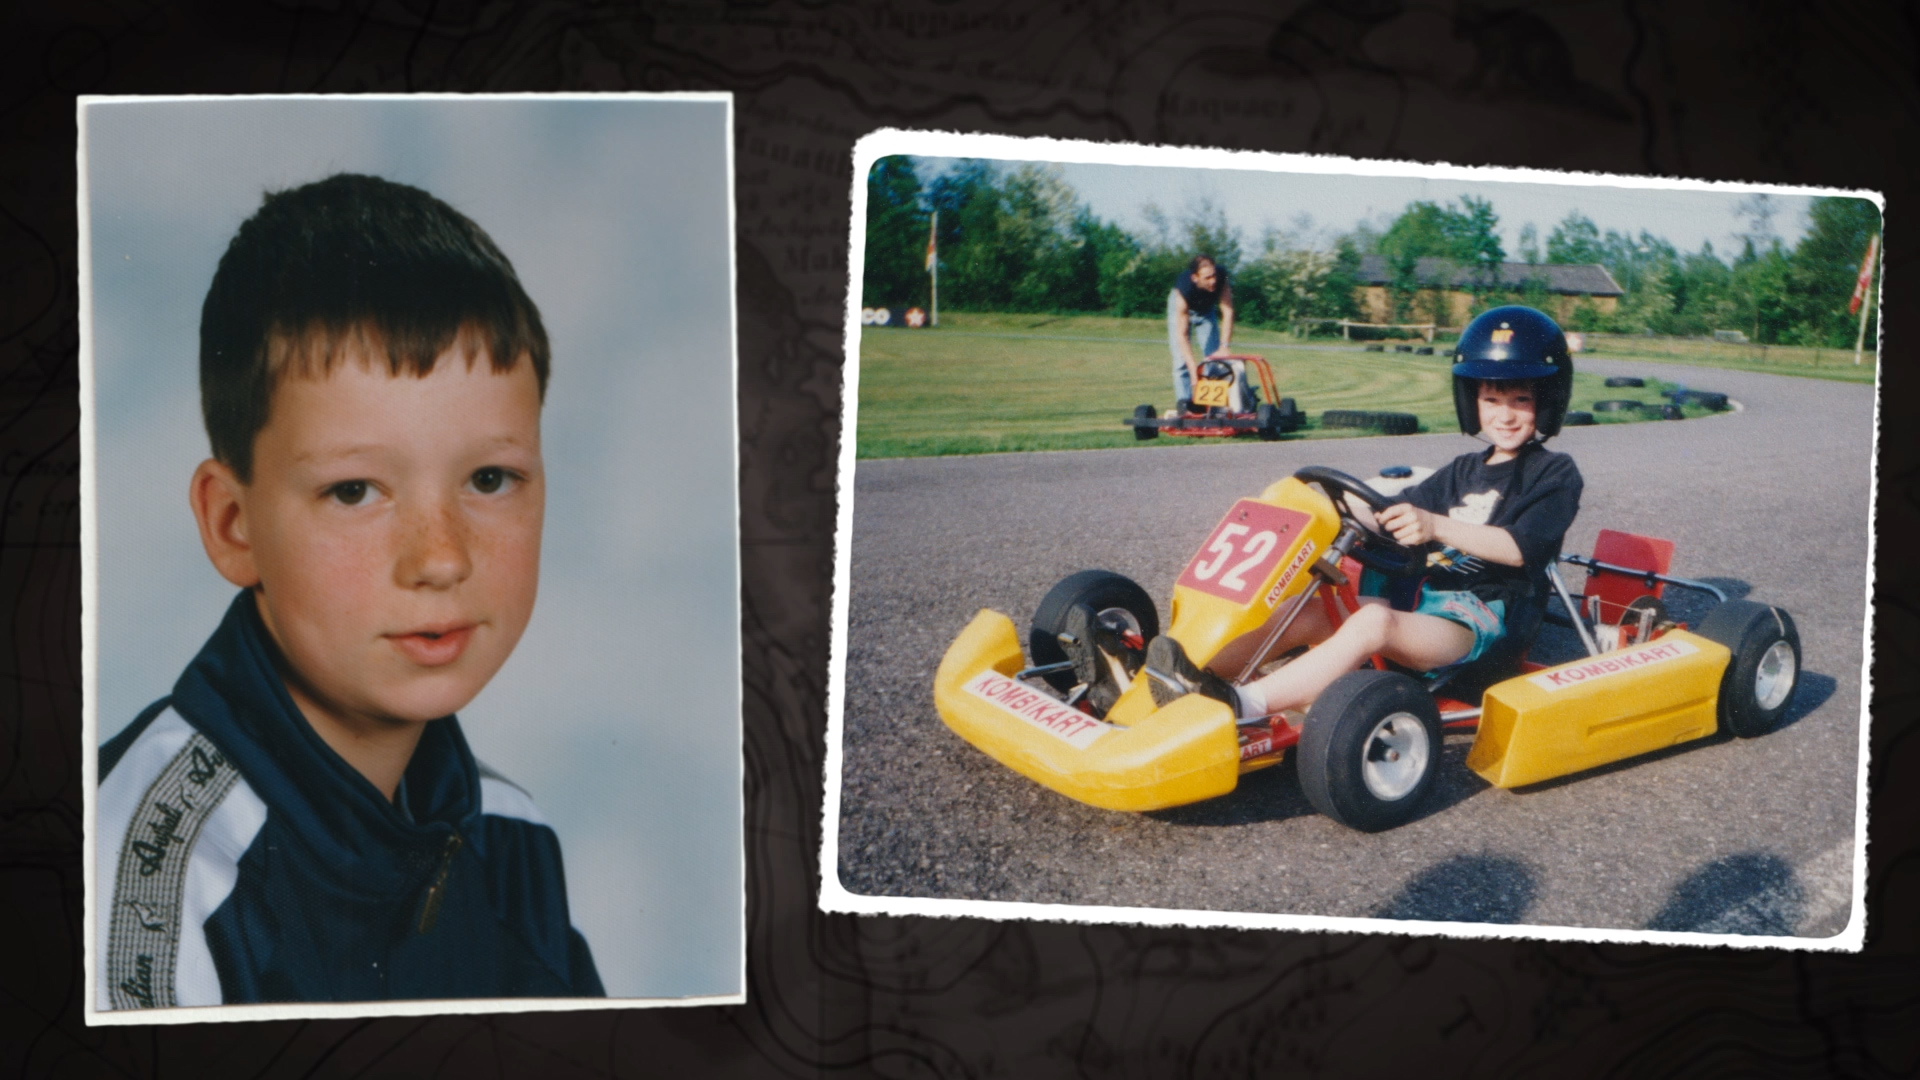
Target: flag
pixel 1865 281
pixel 933 240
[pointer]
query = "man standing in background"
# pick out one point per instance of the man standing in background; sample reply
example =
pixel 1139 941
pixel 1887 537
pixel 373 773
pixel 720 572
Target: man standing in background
pixel 1202 300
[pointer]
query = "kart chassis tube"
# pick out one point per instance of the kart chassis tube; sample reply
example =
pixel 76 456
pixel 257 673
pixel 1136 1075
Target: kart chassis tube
pixel 1646 576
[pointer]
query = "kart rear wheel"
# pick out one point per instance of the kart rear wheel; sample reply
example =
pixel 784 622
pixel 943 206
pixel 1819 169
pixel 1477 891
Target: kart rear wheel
pixel 1271 425
pixel 1143 432
pixel 1370 749
pixel 1291 418
pixel 1760 679
pixel 1115 600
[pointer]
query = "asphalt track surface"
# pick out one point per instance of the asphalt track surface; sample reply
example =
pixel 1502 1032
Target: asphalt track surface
pixel 1723 835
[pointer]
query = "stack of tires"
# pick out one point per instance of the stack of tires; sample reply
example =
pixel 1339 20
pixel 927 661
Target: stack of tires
pixel 1390 423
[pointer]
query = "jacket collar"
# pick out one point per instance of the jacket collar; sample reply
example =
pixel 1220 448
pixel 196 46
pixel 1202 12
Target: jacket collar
pixel 233 693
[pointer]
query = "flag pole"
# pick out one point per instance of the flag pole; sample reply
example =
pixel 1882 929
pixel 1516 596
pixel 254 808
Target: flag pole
pixel 933 268
pixel 1863 294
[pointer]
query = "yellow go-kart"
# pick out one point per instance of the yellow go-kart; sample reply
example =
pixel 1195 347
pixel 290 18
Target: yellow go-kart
pixel 1367 749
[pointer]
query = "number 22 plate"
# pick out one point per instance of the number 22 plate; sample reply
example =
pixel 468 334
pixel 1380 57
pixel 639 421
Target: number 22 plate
pixel 1237 559
pixel 1213 392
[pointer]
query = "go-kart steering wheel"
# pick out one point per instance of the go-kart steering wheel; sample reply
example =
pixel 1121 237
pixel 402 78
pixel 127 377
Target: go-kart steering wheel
pixel 1379 550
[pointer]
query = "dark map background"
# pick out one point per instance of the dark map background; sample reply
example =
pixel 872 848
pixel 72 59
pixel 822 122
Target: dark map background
pixel 1754 91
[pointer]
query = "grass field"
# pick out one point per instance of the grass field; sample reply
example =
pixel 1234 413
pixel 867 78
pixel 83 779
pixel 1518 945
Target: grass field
pixel 992 383
pixel 1776 359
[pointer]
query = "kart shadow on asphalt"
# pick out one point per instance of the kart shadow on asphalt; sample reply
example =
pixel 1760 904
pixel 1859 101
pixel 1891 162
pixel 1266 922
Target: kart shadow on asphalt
pixel 1748 893
pixel 1466 888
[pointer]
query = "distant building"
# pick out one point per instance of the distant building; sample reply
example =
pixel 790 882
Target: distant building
pixel 1444 288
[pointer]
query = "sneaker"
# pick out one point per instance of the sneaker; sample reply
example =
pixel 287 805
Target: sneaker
pixel 1173 675
pixel 1088 644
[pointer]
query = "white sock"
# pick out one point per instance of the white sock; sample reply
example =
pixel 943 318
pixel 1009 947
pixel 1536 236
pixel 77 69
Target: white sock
pixel 1252 701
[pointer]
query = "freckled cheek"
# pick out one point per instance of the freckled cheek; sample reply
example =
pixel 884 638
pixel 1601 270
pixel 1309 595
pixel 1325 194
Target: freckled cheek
pixel 337 572
pixel 509 544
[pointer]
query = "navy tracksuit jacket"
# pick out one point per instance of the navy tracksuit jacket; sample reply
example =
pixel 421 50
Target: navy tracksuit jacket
pixel 239 859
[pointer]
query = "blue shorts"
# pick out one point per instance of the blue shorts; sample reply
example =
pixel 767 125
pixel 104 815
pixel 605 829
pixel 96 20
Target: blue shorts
pixel 1487 621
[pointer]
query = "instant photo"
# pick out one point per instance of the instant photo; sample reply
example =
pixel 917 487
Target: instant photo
pixel 1305 543
pixel 411 588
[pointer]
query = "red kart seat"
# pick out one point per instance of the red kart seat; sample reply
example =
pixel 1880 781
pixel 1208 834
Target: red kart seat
pixel 1615 591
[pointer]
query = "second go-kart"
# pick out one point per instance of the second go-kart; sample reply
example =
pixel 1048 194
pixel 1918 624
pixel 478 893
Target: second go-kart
pixel 1368 748
pixel 1215 411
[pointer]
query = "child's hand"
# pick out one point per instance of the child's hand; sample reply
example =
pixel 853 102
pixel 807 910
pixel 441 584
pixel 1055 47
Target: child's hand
pixel 1409 525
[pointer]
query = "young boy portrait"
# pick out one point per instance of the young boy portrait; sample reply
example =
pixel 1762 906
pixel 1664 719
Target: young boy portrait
pixel 308 809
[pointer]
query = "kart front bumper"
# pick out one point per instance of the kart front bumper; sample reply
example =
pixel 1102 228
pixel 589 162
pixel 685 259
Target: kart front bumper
pixel 1183 753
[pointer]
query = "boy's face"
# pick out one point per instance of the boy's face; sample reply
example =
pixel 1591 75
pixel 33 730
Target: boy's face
pixel 1507 416
pixel 393 524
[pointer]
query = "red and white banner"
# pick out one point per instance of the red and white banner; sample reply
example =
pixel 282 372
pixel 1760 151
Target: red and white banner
pixel 1865 280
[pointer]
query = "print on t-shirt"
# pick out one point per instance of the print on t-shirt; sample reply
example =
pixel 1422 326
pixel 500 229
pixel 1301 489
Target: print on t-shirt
pixel 1475 508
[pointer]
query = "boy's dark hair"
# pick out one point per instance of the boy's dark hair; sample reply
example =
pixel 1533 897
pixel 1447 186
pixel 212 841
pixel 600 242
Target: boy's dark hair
pixel 351 260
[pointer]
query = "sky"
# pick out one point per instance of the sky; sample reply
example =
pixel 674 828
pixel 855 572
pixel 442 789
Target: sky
pixel 615 213
pixel 1255 200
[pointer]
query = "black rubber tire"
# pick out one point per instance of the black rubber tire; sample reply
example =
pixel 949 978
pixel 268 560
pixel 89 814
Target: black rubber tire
pixel 1376 347
pixel 1615 405
pixel 1424 350
pixel 1403 348
pixel 1672 412
pixel 1625 380
pixel 1099 590
pixel 1392 423
pixel 1704 398
pixel 1182 407
pixel 1338 739
pixel 1751 631
pixel 1578 418
pixel 1272 425
pixel 1397 423
pixel 1143 432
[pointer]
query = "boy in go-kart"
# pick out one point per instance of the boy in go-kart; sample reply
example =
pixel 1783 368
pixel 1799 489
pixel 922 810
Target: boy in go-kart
pixel 1499 515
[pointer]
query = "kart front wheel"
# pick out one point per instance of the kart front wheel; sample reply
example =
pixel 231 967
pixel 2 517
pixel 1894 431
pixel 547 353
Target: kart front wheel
pixel 1370 749
pixel 1116 601
pixel 1759 681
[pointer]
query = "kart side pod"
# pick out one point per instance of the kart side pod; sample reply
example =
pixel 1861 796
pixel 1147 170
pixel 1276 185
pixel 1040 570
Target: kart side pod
pixel 1180 754
pixel 1600 709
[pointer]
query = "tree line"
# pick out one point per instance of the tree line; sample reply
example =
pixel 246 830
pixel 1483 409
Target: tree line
pixel 1019 239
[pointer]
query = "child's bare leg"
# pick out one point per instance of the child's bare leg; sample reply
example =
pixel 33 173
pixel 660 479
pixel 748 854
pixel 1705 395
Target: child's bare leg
pixel 1416 641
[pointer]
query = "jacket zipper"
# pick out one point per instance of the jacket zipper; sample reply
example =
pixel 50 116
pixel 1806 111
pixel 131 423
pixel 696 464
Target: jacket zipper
pixel 430 911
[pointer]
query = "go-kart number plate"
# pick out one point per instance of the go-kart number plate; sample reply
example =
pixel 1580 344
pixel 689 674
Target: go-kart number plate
pixel 1070 726
pixel 1249 542
pixel 1213 392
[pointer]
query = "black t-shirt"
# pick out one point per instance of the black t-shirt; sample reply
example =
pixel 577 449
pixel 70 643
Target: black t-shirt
pixel 1534 497
pixel 1201 301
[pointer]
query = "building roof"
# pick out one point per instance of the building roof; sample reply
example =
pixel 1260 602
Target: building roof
pixel 1435 272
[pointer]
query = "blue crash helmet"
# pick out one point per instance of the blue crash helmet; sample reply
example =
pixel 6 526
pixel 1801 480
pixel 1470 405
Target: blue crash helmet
pixel 1513 342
